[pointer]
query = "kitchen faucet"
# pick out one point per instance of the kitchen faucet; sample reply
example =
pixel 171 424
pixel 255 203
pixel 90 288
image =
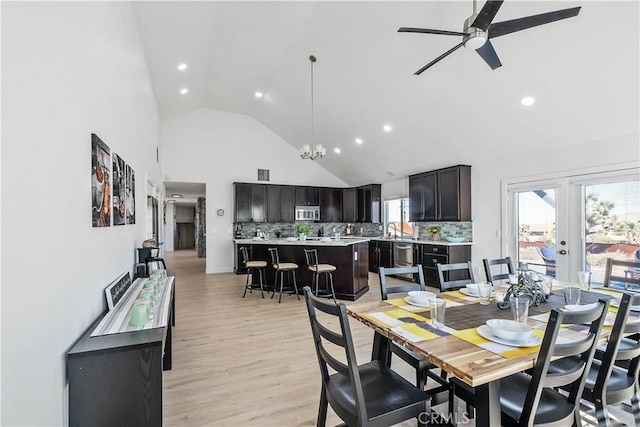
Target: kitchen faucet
pixel 395 229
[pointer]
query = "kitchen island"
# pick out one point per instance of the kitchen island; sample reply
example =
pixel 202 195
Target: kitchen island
pixel 350 256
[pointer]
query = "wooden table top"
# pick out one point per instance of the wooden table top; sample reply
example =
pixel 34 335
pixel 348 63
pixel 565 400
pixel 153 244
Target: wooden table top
pixel 469 362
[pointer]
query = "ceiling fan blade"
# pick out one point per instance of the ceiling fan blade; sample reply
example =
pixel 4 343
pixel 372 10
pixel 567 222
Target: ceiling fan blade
pixel 429 31
pixel 506 27
pixel 488 53
pixel 450 51
pixel 486 15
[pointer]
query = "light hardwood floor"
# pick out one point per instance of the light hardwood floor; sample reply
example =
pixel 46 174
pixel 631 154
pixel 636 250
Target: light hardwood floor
pixel 246 361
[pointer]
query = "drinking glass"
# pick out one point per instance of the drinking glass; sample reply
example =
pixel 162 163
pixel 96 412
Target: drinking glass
pixel 437 306
pixel 584 279
pixel 519 309
pixel 484 292
pixel 571 295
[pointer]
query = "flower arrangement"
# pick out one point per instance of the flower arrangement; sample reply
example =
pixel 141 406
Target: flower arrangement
pixel 302 228
pixel 433 229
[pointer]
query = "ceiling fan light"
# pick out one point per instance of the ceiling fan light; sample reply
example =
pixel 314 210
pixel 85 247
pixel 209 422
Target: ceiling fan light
pixel 474 43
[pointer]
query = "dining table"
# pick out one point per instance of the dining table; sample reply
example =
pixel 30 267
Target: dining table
pixel 459 348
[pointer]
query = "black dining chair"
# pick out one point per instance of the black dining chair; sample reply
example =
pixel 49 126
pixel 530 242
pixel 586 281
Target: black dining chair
pixel 607 383
pixel 424 368
pixel 366 395
pixel 455 276
pixel 533 399
pixel 493 276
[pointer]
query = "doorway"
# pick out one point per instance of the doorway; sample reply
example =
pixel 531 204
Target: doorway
pixel 574 223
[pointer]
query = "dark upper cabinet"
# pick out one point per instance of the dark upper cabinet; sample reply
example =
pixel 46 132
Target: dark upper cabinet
pixel 280 203
pixel 422 197
pixel 330 204
pixel 369 199
pixel 349 204
pixel 251 202
pixel 441 195
pixel 307 196
pixel 454 194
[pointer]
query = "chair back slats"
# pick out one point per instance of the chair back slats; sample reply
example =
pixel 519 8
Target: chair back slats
pixel 386 289
pixel 455 284
pixel 342 338
pixel 574 377
pixel 275 259
pixel 311 256
pixel 629 266
pixel 492 277
pixel 245 255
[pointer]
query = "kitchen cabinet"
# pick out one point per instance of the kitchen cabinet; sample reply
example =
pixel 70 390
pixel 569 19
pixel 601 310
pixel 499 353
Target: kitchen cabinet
pixel 330 204
pixel 307 196
pixel 430 255
pixel 280 203
pixel 369 199
pixel 380 255
pixel 251 202
pixel 349 204
pixel 441 195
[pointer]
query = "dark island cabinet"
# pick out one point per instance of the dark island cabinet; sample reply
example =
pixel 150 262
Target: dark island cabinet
pixel 441 195
pixel 307 196
pixel 380 255
pixel 280 203
pixel 251 202
pixel 349 204
pixel 330 204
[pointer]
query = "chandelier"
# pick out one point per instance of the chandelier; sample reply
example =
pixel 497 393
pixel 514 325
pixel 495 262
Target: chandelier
pixel 312 151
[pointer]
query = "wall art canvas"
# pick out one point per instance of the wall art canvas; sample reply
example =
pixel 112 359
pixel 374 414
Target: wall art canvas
pixel 119 199
pixel 130 194
pixel 100 182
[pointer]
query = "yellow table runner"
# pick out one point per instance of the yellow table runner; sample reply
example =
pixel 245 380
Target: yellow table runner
pixel 472 336
pixel 408 325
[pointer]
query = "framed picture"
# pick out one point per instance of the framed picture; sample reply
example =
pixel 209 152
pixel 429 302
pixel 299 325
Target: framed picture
pixel 100 182
pixel 119 199
pixel 130 195
pixel 117 289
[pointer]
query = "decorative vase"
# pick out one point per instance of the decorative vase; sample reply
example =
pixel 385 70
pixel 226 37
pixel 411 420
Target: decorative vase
pixel 435 236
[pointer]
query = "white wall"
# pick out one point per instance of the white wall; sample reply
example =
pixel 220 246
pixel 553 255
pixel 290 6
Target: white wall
pixel 486 181
pixel 68 70
pixel 220 148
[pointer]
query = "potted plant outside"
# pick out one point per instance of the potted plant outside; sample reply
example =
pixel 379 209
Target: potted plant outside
pixel 302 230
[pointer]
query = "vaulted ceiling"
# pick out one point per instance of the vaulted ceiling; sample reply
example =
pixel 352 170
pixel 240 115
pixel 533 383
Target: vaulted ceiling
pixel 583 73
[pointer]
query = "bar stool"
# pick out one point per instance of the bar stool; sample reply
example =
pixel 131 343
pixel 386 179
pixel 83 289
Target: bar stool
pixel 282 267
pixel 251 266
pixel 317 269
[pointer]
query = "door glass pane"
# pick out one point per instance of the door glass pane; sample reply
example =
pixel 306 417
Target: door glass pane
pixel 612 225
pixel 537 230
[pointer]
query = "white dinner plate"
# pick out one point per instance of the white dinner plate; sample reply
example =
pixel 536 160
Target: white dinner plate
pixel 531 341
pixel 615 302
pixel 468 293
pixel 414 303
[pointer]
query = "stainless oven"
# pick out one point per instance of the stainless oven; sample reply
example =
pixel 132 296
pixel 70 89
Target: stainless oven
pixel 403 257
pixel 307 213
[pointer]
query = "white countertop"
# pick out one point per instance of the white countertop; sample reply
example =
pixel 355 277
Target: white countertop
pixel 308 242
pixel 422 242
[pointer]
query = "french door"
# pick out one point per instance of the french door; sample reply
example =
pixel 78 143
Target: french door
pixel 566 224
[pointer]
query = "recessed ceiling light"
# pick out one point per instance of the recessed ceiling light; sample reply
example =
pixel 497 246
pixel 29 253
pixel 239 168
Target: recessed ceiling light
pixel 527 100
pixel 176 195
pixel 337 150
pixel 259 95
pixel 171 201
pixel 184 91
pixel 358 141
pixel 387 128
pixel 182 67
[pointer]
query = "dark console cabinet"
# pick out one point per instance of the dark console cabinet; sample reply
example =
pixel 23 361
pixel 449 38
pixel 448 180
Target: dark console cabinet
pixel 441 195
pixel 116 380
pixel 430 255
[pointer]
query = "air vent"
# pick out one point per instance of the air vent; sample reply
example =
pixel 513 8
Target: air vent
pixel 263 174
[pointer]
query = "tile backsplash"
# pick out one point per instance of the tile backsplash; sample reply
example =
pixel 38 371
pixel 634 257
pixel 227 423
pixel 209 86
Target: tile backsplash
pixel 447 229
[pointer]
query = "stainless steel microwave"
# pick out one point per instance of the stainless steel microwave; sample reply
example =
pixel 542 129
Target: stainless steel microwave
pixel 307 213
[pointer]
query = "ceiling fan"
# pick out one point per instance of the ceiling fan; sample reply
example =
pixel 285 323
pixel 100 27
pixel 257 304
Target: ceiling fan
pixel 479 30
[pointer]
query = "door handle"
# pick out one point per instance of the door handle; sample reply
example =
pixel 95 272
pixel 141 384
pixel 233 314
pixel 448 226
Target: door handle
pixel 562 252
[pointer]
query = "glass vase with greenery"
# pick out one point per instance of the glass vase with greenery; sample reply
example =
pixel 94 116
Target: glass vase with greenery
pixel 302 229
